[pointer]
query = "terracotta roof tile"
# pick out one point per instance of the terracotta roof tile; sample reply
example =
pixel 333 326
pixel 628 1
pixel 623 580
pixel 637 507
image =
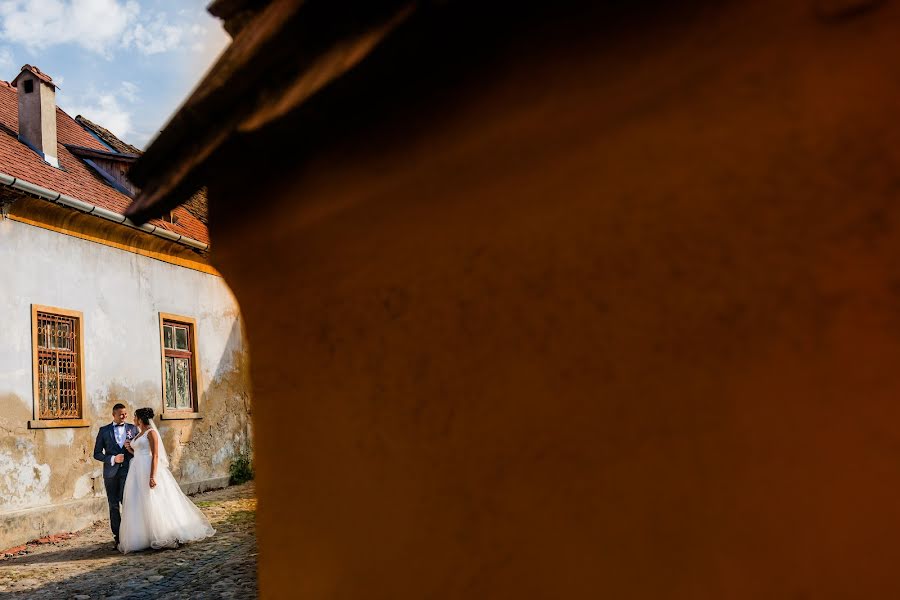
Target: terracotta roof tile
pixel 74 177
pixel 197 205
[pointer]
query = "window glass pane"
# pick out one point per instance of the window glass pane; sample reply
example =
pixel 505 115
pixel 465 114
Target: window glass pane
pixel 63 336
pixel 181 338
pixel 68 404
pixel 168 336
pixel 182 383
pixel 42 335
pixel 170 383
pixel 49 391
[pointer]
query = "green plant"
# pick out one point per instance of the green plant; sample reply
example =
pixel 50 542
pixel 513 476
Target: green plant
pixel 241 468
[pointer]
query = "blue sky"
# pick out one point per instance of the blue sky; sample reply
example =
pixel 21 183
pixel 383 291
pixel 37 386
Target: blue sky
pixel 125 64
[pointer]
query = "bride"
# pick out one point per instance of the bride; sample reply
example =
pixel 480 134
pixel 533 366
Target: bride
pixel 155 512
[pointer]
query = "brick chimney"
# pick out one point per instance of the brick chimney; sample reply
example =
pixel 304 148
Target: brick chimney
pixel 37 112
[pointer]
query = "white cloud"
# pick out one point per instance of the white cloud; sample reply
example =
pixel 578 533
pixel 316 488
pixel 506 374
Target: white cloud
pixel 130 91
pixel 107 110
pixel 96 25
pixel 7 64
pixel 93 24
pixel 153 36
pixel 198 34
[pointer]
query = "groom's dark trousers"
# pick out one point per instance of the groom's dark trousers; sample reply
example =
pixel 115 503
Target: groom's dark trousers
pixel 114 475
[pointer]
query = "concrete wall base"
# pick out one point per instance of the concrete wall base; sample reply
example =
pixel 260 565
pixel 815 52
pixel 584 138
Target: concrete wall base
pixel 20 526
pixel 195 487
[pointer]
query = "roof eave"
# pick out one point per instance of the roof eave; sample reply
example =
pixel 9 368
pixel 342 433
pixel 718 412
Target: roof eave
pixel 84 152
pixel 30 189
pixel 260 77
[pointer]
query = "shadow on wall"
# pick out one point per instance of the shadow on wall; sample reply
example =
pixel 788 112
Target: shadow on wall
pixel 201 450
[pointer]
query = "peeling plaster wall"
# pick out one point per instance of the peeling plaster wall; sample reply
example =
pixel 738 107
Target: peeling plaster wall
pixel 121 295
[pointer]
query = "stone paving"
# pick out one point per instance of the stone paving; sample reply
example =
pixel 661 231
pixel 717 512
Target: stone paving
pixel 86 567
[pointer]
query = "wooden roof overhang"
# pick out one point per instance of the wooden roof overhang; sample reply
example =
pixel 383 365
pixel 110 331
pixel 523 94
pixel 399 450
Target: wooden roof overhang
pixel 283 52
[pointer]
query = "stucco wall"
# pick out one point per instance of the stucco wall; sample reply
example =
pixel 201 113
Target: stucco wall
pixel 121 295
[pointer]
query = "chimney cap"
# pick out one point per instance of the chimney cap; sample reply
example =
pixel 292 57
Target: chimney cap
pixel 37 73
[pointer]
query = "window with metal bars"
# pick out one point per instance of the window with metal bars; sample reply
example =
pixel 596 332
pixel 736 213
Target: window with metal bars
pixel 179 385
pixel 58 366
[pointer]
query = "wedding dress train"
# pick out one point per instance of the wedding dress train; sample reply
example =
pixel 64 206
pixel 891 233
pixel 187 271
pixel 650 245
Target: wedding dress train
pixel 159 517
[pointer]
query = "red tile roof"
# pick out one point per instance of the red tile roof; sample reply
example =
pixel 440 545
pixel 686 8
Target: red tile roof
pixel 75 178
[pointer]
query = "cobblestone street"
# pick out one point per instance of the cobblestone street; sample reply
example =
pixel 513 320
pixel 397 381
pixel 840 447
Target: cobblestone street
pixel 86 566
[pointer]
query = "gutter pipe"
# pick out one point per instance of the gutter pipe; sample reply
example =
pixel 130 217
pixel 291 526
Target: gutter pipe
pixel 70 202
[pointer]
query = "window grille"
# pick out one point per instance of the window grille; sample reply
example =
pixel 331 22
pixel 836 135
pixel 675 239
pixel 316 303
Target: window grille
pixel 58 366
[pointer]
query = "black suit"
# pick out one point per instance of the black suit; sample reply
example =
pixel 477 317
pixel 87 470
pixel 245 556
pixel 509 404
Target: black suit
pixel 114 475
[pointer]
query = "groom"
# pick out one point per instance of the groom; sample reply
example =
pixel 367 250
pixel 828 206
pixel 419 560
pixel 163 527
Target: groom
pixel 112 449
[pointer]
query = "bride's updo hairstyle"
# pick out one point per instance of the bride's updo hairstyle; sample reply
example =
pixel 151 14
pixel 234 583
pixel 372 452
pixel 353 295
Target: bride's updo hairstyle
pixel 144 414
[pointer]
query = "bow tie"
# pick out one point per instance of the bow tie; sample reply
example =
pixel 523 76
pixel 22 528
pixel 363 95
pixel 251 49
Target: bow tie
pixel 120 425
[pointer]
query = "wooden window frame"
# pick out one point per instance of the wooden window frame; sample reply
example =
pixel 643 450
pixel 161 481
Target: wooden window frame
pixel 37 422
pixel 196 388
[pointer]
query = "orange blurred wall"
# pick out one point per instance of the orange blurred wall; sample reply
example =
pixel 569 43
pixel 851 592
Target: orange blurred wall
pixel 617 317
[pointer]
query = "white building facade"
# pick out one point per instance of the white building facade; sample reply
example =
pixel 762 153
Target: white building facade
pixel 95 313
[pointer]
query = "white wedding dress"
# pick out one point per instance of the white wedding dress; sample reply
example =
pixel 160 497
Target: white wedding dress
pixel 159 517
